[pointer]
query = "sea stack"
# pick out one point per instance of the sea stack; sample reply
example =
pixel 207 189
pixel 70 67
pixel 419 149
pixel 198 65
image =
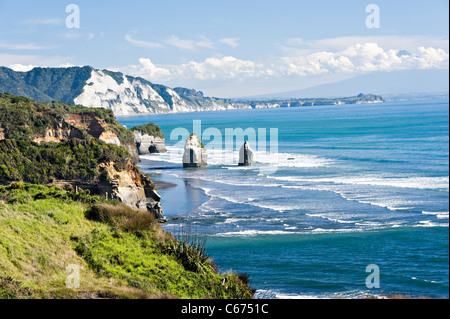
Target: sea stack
pixel 195 155
pixel 148 144
pixel 149 139
pixel 246 155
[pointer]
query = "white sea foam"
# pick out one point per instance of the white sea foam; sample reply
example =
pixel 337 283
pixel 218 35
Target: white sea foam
pixel 392 205
pixel 336 220
pixel 238 183
pixel 295 296
pixel 365 189
pixel 417 182
pixel 232 220
pixel 338 230
pixel 231 159
pixel 425 280
pixel 275 207
pixel 439 215
pixel 276 294
pixel 430 223
pixel 381 199
pixel 407 182
pixel 252 233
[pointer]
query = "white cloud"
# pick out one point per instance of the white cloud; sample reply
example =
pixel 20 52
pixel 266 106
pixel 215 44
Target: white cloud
pixel 10 59
pixel 296 46
pixel 356 59
pixel 43 21
pixel 431 58
pixel 209 69
pixel 24 46
pixel 199 42
pixel 25 68
pixel 148 70
pixel 180 43
pixel 226 68
pixel 362 58
pixel 71 35
pixel 188 44
pixel 23 61
pixel 204 42
pixel 232 42
pixel 143 44
pixel 22 68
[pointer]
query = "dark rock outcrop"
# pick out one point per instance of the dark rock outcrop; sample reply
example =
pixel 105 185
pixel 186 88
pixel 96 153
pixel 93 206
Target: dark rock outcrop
pixel 246 155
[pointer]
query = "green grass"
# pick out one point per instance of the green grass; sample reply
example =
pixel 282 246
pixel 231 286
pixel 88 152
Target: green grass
pixel 150 129
pixel 121 253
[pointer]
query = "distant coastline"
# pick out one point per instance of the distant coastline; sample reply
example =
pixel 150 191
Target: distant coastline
pixel 129 96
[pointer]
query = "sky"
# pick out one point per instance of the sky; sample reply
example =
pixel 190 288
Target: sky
pixel 228 48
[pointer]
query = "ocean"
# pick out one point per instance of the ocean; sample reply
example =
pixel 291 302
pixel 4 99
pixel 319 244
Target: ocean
pixel 347 187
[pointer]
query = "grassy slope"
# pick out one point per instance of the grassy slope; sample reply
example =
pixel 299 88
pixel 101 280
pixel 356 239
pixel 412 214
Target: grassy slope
pixel 122 255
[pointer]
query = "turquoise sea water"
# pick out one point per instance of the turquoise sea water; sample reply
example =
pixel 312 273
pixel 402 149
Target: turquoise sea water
pixel 348 186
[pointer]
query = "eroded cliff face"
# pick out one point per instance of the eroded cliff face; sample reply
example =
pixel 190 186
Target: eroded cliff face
pixel 126 184
pixel 133 188
pixel 77 125
pixel 63 131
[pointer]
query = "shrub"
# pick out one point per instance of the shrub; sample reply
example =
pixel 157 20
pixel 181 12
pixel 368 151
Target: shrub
pixel 122 217
pixel 150 129
pixel 70 160
pixel 190 251
pixel 12 289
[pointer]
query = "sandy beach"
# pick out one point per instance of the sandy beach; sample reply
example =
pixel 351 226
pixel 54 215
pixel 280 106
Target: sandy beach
pixel 163 185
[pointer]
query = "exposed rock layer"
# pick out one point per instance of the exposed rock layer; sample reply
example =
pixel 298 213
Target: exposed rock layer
pixel 124 182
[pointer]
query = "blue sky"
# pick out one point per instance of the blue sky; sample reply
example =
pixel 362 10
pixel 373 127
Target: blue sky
pixel 228 48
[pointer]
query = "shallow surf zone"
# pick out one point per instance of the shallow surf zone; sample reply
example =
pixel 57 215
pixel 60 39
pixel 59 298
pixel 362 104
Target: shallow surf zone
pixel 341 193
pixel 244 202
pixel 309 231
pixel 230 159
pixel 333 265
